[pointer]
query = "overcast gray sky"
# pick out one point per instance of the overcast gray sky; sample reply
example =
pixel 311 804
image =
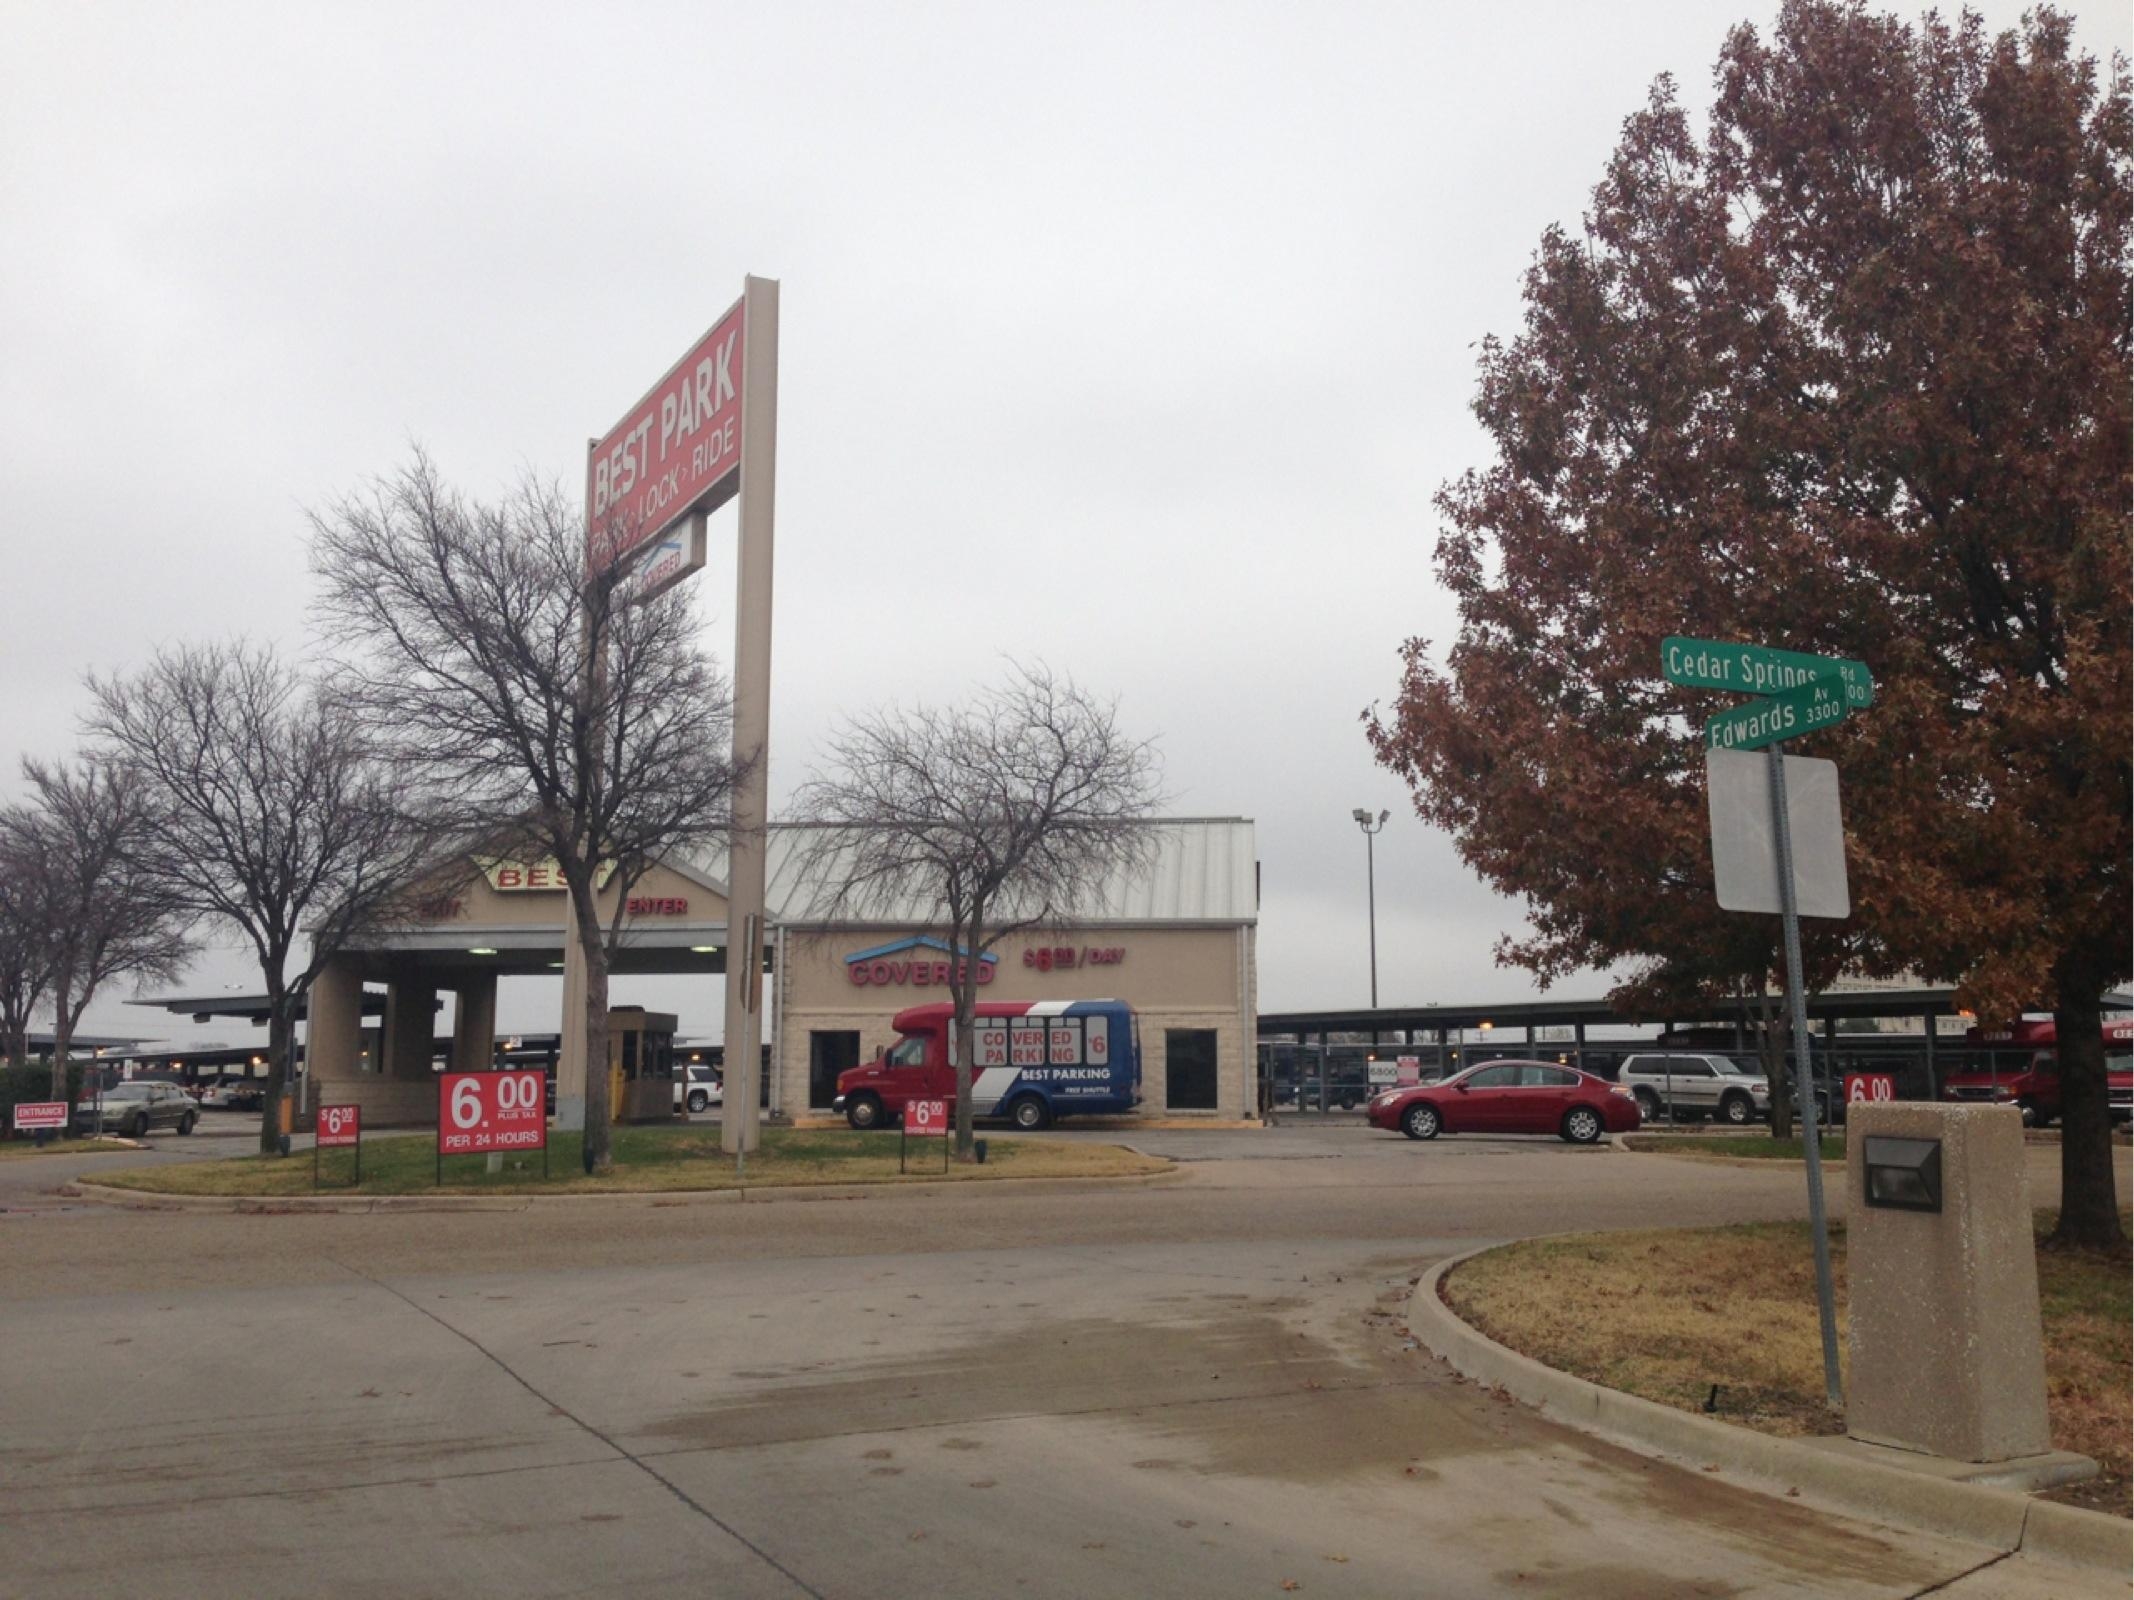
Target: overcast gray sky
pixel 1133 338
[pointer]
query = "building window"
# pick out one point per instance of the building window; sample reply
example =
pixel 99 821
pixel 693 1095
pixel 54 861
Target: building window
pixel 1189 1069
pixel 829 1053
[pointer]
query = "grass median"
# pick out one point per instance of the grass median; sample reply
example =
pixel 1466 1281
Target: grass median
pixel 22 1149
pixel 1670 1315
pixel 647 1161
pixel 1733 1146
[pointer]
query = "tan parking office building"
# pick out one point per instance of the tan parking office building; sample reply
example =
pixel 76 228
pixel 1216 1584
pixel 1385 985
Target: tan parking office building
pixel 1177 942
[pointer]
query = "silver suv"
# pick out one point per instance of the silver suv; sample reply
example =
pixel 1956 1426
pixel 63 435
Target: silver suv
pixel 1697 1086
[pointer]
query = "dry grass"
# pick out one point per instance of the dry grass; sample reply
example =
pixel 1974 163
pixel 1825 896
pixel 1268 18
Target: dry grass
pixel 1667 1315
pixel 647 1161
pixel 23 1149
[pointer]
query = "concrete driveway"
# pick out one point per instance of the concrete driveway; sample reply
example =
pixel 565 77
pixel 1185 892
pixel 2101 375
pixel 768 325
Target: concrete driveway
pixel 1199 1388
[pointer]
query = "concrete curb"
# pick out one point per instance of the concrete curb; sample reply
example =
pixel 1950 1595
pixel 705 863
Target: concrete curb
pixel 359 1205
pixel 1998 1518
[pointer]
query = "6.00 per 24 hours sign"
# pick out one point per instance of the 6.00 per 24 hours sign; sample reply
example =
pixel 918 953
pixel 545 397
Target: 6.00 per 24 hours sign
pixel 478 1111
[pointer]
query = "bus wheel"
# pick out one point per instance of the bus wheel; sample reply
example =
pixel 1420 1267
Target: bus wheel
pixel 865 1112
pixel 1030 1113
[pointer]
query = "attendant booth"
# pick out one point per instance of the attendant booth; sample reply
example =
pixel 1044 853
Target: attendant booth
pixel 640 1065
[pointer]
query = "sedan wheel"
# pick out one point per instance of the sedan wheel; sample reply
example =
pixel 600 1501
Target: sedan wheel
pixel 1420 1121
pixel 1582 1125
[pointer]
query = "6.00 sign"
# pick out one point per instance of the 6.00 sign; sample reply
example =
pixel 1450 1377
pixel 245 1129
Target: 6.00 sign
pixel 479 1111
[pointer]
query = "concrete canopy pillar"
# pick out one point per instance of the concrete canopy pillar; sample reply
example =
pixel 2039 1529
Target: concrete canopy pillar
pixel 474 1024
pixel 410 1024
pixel 333 1027
pixel 570 1054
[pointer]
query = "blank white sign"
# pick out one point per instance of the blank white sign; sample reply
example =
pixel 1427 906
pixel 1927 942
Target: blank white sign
pixel 1745 842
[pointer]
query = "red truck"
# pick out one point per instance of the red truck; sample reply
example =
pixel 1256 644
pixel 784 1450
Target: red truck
pixel 2024 1070
pixel 1033 1062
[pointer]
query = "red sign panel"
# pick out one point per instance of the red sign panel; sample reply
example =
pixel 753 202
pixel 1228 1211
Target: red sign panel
pixel 479 1111
pixel 1865 1087
pixel 339 1125
pixel 31 1115
pixel 927 1116
pixel 1407 1070
pixel 677 450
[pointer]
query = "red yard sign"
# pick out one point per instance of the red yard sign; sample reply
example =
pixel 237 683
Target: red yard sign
pixel 339 1125
pixel 31 1115
pixel 929 1116
pixel 478 1111
pixel 1407 1070
pixel 1862 1088
pixel 678 450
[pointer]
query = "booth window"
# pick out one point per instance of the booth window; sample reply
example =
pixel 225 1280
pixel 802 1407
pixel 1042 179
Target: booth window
pixel 829 1053
pixel 1189 1069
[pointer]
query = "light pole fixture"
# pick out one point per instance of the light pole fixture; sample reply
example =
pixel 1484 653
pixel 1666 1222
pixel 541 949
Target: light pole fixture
pixel 1371 830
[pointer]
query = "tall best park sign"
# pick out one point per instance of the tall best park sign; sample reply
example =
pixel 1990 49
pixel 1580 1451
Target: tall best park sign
pixel 706 433
pixel 1798 694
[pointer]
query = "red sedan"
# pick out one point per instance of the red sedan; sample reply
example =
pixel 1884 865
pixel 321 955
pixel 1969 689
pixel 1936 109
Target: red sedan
pixel 1510 1097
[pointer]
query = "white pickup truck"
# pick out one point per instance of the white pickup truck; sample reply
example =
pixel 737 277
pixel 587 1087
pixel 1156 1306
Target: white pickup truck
pixel 1696 1086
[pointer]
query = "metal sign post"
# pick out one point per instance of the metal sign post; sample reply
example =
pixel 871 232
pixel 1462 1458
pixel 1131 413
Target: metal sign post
pixel 1804 1077
pixel 1802 693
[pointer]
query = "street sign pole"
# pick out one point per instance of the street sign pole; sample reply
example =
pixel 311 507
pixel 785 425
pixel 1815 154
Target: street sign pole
pixel 1804 1075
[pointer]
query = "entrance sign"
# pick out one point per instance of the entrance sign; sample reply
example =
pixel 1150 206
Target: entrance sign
pixel 677 451
pixel 478 1111
pixel 1758 669
pixel 33 1115
pixel 1819 703
pixel 1869 1088
pixel 1745 834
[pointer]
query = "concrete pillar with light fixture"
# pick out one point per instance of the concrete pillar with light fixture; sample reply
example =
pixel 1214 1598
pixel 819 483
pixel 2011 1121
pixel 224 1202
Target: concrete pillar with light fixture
pixel 474 1024
pixel 1947 1351
pixel 333 1027
pixel 410 1030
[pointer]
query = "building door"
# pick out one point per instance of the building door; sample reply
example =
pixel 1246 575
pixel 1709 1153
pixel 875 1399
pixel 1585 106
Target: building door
pixel 829 1053
pixel 1189 1069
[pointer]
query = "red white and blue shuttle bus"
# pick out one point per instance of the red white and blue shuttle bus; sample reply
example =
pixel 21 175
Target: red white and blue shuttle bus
pixel 1032 1062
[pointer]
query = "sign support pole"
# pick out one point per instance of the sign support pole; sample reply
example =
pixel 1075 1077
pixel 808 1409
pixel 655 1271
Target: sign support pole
pixel 739 1130
pixel 1804 1075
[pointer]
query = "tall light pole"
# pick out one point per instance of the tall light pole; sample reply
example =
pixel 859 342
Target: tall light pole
pixel 1371 831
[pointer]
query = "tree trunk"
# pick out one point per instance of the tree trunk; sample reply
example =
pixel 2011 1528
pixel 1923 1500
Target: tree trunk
pixel 963 989
pixel 281 1042
pixel 1771 1042
pixel 2089 1201
pixel 62 1035
pixel 599 1145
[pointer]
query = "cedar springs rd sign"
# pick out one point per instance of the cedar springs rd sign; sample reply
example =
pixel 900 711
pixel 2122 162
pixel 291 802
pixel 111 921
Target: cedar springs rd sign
pixel 1803 692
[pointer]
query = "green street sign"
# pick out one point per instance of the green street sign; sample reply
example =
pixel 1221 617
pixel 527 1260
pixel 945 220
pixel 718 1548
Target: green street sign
pixel 1758 669
pixel 1816 704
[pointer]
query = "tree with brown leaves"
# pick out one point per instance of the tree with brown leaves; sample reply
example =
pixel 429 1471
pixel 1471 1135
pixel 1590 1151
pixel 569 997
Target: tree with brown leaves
pixel 1848 373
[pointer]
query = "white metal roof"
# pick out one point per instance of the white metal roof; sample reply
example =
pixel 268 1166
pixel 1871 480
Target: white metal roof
pixel 1206 870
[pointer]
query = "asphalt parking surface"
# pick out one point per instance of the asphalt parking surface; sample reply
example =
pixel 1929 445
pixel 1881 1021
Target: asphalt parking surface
pixel 1201 1387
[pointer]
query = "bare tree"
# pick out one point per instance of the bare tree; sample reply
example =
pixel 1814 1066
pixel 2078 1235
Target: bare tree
pixel 1013 811
pixel 25 945
pixel 270 814
pixel 84 836
pixel 535 703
